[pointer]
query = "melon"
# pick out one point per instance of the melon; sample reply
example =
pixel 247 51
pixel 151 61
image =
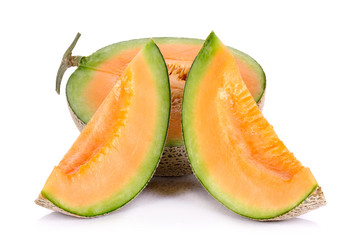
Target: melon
pixel 117 152
pixel 233 150
pixel 97 73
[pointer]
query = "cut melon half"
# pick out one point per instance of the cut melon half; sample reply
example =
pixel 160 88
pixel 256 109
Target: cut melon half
pixel 119 149
pixel 233 150
pixel 97 73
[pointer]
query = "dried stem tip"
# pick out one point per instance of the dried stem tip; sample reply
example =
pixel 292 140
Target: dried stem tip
pixel 67 62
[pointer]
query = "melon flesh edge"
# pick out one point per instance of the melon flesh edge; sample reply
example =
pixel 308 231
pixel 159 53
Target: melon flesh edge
pixel 92 181
pixel 233 150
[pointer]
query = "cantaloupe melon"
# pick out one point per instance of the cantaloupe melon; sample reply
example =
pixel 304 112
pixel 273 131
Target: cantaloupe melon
pixel 232 148
pixel 119 149
pixel 96 74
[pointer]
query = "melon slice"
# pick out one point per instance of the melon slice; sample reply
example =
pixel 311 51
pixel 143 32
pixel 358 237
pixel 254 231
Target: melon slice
pixel 96 74
pixel 232 148
pixel 119 149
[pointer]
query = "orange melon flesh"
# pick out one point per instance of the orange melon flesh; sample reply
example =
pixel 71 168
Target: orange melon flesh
pixel 176 52
pixel 117 152
pixel 182 54
pixel 102 82
pixel 106 76
pixel 232 148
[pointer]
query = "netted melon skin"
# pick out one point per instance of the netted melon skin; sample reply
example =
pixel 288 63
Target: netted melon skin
pixel 43 202
pixel 315 200
pixel 174 163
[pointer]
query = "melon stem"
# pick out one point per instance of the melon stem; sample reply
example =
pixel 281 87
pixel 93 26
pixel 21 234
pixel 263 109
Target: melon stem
pixel 67 61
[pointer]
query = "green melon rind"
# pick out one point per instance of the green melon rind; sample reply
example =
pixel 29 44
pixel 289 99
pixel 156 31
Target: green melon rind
pixel 159 71
pixel 195 76
pixel 78 81
pixel 75 87
pixel 175 143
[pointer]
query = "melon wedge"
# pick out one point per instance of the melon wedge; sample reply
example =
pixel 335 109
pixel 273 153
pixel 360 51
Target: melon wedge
pixel 96 74
pixel 119 149
pixel 233 150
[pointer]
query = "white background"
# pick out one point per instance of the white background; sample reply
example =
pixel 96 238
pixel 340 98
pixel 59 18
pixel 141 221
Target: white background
pixel 310 52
